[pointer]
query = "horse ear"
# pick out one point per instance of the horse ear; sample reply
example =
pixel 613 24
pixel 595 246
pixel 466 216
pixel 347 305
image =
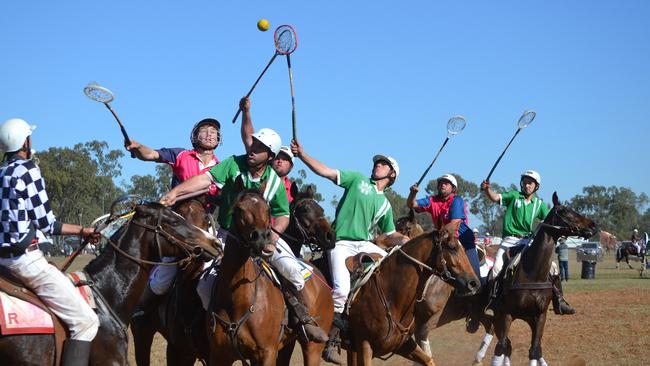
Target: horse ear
pixel 263 186
pixel 412 215
pixel 556 201
pixel 309 191
pixel 239 184
pixel 294 190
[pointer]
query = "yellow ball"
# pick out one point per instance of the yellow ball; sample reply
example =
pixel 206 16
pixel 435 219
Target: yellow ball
pixel 263 25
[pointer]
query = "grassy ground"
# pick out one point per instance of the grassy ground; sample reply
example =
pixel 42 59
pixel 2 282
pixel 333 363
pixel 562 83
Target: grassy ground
pixel 611 327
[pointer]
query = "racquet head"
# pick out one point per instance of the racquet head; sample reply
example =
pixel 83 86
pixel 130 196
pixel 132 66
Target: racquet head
pixel 98 93
pixel 456 124
pixel 526 118
pixel 286 40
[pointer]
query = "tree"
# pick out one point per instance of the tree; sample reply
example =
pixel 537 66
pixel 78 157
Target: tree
pixel 489 212
pixel 301 181
pixel 614 209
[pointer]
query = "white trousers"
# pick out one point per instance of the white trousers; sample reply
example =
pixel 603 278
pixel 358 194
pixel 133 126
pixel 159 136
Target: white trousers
pixel 340 273
pixel 283 260
pixel 508 242
pixel 56 291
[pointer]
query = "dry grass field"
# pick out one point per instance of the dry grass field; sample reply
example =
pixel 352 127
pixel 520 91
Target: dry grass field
pixel 612 326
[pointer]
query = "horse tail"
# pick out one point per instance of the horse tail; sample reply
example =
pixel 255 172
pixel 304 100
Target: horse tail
pixel 619 253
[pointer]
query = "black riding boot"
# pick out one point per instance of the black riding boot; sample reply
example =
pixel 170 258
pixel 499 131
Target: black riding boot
pixel 493 287
pixel 560 306
pixel 332 352
pixel 147 302
pixel 75 353
pixel 296 301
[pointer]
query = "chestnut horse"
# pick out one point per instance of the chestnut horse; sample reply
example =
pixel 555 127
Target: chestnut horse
pixel 308 226
pixel 119 276
pixel 381 315
pixel 179 315
pixel 529 293
pixel 247 316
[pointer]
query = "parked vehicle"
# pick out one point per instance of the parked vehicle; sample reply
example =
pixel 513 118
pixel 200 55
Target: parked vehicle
pixel 590 251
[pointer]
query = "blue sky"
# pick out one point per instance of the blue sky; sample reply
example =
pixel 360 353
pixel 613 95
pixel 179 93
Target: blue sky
pixel 370 77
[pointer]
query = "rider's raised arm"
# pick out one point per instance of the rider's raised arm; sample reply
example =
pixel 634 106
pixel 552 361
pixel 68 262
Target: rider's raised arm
pixel 192 185
pixel 142 152
pixel 411 202
pixel 313 164
pixel 492 195
pixel 246 123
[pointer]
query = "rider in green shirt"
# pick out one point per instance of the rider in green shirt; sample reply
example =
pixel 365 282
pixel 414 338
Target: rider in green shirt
pixel 522 208
pixel 362 208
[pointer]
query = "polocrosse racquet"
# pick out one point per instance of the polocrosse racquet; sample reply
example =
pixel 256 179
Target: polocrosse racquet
pixel 100 94
pixel 524 121
pixel 455 125
pixel 285 43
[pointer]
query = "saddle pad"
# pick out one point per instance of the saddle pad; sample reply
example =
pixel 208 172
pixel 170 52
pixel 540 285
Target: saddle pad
pixel 84 290
pixel 356 286
pixel 306 271
pixel 21 317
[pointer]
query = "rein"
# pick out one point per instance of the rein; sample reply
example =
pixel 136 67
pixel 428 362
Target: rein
pixel 307 240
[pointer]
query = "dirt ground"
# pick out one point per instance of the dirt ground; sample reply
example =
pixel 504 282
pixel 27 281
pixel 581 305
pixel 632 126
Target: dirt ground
pixel 612 326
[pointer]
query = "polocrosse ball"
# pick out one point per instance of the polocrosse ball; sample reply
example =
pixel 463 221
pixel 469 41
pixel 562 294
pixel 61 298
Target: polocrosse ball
pixel 263 25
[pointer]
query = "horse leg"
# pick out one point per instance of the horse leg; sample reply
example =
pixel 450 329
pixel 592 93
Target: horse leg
pixel 502 327
pixel 311 353
pixel 284 355
pixel 422 339
pixel 143 334
pixel 364 358
pixel 410 350
pixel 485 344
pixel 536 324
pixel 267 357
pixel 627 260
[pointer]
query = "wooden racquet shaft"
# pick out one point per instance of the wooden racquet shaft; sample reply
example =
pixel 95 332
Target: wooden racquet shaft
pixel 234 119
pixel 502 153
pixel 293 100
pixel 126 135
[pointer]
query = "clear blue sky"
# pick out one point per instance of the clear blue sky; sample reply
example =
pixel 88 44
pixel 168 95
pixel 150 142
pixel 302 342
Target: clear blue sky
pixel 370 77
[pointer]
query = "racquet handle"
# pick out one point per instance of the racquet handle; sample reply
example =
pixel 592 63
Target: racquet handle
pixel 234 119
pixel 502 153
pixel 126 135
pixel 434 160
pixel 74 255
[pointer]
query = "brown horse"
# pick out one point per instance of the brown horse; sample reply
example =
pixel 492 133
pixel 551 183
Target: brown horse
pixel 119 276
pixel 381 315
pixel 439 304
pixel 528 293
pixel 308 226
pixel 626 250
pixel 247 314
pixel 179 315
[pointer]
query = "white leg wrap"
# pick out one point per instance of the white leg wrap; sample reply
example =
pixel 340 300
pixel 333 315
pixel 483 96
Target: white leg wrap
pixel 555 270
pixel 533 363
pixel 485 344
pixel 426 348
pixel 507 362
pixel 542 362
pixel 497 360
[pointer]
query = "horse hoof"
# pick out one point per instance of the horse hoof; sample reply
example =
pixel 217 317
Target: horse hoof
pixel 477 363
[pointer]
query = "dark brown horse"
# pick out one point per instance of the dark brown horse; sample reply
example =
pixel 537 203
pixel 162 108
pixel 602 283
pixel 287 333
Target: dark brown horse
pixel 381 315
pixel 247 314
pixel 179 315
pixel 119 276
pixel 528 293
pixel 626 250
pixel 309 227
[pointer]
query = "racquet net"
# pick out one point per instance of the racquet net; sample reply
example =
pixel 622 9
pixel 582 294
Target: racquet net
pixel 285 40
pixel 98 93
pixel 526 118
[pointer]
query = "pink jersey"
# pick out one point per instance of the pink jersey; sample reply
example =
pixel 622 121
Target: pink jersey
pixel 186 164
pixel 287 187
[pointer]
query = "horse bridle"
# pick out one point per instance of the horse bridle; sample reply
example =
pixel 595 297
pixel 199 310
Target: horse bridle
pixel 568 225
pixel 444 274
pixel 307 239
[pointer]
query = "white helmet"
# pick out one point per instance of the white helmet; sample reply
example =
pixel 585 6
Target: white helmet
pixel 450 178
pixel 13 134
pixel 533 175
pixel 475 230
pixel 392 162
pixel 270 139
pixel 636 230
pixel 286 150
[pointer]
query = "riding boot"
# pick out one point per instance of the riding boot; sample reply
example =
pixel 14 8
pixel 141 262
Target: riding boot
pixel 492 300
pixel 75 353
pixel 147 302
pixel 473 316
pixel 560 306
pixel 296 301
pixel 332 351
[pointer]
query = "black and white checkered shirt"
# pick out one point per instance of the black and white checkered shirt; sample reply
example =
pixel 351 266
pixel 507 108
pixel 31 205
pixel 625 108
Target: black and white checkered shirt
pixel 23 200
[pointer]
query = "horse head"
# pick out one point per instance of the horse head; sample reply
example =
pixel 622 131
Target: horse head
pixel 451 263
pixel 408 225
pixel 193 210
pixel 251 220
pixel 566 222
pixel 308 219
pixel 172 235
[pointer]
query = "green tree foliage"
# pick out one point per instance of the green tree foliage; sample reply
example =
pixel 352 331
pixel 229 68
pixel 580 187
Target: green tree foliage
pixel 615 209
pixel 79 181
pixel 150 187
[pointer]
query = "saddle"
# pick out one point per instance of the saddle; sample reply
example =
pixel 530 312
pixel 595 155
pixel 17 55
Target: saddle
pixel 358 264
pixel 13 287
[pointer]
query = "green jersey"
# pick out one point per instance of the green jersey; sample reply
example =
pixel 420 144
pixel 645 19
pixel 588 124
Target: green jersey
pixel 519 217
pixel 224 175
pixel 361 208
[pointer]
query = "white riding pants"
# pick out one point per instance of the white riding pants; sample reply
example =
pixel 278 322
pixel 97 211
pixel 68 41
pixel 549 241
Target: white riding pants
pixel 56 291
pixel 283 260
pixel 340 273
pixel 508 242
